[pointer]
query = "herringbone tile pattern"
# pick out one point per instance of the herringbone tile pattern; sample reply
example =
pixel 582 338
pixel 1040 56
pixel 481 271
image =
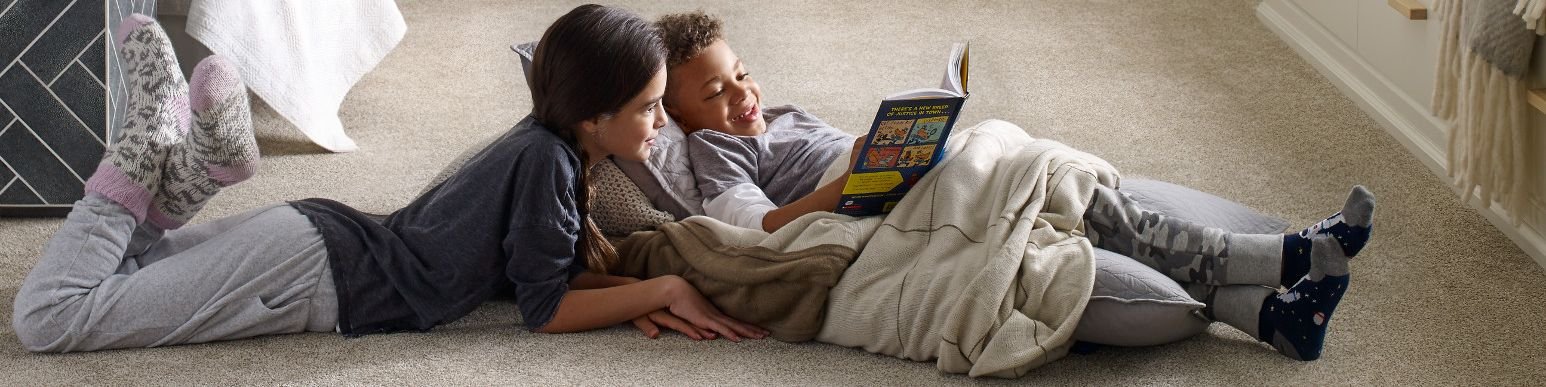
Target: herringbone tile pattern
pixel 56 110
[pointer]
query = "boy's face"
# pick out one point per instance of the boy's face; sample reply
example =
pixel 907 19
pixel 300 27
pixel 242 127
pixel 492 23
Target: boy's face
pixel 714 91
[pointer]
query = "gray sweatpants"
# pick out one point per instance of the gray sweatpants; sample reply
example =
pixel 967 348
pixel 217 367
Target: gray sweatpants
pixel 103 282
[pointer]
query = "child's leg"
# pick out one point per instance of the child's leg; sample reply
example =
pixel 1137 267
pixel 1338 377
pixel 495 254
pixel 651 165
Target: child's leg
pixel 151 244
pixel 1192 253
pixel 155 121
pixel 267 275
pixel 1294 322
pixel 261 273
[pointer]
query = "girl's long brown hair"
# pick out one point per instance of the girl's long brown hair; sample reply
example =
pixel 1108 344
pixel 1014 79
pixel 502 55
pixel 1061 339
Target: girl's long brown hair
pixel 589 64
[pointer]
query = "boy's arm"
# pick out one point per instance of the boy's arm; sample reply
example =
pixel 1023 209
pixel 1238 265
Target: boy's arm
pixel 824 198
pixel 743 205
pixel 723 166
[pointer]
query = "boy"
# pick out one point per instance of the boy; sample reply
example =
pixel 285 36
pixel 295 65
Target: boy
pixel 755 169
pixel 756 174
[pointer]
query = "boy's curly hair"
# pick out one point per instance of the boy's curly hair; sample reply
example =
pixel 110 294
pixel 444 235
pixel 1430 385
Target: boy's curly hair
pixel 687 34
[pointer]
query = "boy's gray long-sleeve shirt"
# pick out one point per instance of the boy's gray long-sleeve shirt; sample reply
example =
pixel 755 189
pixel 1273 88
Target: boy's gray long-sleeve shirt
pixel 785 163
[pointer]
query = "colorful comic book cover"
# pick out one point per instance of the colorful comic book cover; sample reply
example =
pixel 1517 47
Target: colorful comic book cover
pixel 892 132
pixel 916 155
pixel 907 139
pixel 882 157
pixel 926 131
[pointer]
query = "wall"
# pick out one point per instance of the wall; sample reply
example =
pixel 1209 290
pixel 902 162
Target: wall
pixel 1385 63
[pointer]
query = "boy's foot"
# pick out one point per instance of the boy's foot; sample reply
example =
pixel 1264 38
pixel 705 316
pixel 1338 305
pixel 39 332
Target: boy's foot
pixel 155 119
pixel 1350 228
pixel 1295 322
pixel 220 152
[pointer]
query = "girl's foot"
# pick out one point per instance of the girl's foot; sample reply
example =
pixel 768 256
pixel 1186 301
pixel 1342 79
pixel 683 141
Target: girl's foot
pixel 156 118
pixel 221 150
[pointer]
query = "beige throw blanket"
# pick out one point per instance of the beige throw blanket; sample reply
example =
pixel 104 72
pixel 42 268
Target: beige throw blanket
pixel 983 267
pixel 1479 89
pixel 777 283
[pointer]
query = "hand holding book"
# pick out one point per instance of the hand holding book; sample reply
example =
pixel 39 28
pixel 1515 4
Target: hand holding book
pixel 906 141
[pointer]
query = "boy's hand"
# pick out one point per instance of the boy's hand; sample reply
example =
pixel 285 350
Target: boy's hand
pixel 853 158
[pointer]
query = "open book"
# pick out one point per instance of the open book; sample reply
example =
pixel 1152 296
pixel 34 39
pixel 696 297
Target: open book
pixel 906 140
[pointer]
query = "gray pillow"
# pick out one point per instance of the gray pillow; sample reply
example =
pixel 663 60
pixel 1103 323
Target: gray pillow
pixel 1135 305
pixel 525 52
pixel 1201 207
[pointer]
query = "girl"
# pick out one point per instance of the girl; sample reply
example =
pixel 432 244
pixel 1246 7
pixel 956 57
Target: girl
pixel 120 273
pixel 760 170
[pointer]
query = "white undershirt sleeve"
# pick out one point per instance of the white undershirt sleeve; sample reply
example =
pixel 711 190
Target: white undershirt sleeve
pixel 742 205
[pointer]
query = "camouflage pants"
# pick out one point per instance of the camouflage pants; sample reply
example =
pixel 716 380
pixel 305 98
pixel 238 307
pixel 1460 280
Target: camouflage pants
pixel 1187 252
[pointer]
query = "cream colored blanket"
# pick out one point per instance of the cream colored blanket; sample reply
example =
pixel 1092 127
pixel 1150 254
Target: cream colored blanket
pixel 982 267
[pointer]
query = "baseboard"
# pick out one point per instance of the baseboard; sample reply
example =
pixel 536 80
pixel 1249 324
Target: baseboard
pixel 1407 120
pixel 34 210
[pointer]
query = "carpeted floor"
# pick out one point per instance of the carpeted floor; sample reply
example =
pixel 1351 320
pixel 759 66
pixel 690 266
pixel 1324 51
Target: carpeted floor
pixel 1193 92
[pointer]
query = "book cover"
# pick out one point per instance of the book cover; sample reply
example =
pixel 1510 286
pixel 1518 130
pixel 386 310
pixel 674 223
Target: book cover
pixel 905 141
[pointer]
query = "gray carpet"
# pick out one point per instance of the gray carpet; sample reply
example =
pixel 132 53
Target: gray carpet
pixel 1198 93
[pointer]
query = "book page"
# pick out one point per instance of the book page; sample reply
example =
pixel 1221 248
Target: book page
pixel 956 69
pixel 954 84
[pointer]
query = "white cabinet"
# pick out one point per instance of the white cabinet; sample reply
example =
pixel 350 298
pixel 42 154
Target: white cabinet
pixel 1340 17
pixel 1385 63
pixel 1404 51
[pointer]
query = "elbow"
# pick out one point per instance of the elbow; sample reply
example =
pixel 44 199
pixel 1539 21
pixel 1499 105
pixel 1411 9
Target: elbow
pixel 770 220
pixel 550 326
pixel 542 329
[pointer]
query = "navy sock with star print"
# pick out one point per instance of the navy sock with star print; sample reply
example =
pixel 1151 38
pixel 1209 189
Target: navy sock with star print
pixel 1295 321
pixel 1350 228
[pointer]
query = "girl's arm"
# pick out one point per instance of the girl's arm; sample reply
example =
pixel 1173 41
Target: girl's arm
pixel 649 323
pixel 589 280
pixel 587 309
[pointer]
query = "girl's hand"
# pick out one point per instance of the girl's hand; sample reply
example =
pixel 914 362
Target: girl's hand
pixel 689 305
pixel 650 324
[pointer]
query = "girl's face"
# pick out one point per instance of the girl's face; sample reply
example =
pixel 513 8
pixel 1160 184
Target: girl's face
pixel 713 91
pixel 629 134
